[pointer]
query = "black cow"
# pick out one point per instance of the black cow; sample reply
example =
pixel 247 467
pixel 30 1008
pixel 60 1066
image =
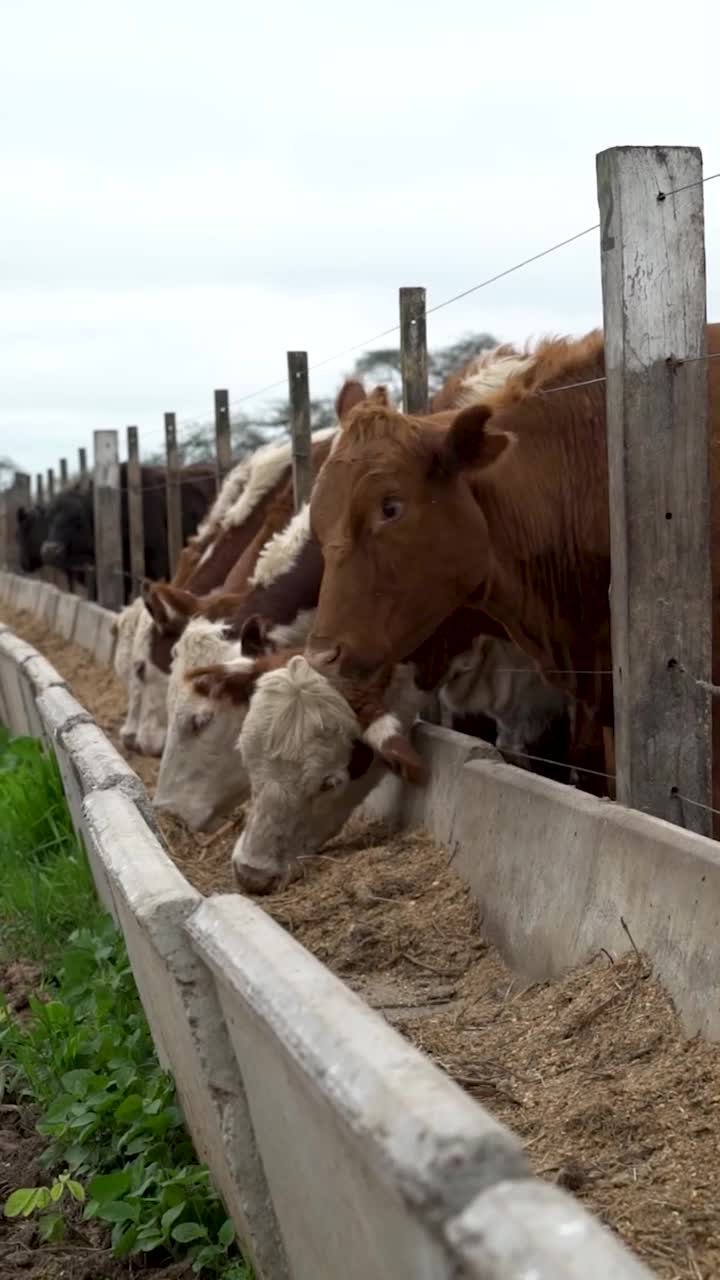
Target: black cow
pixel 70 540
pixel 31 532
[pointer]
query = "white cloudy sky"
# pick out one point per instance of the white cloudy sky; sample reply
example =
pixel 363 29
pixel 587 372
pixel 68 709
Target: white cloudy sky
pixel 189 189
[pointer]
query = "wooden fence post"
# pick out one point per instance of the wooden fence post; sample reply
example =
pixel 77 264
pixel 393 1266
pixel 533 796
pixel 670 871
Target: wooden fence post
pixel 174 508
pixel 39 488
pixel 15 497
pixel 413 350
pixel 654 302
pixel 300 434
pixel 223 441
pixel 82 468
pixel 63 473
pixel 107 503
pixel 136 529
pixel 50 484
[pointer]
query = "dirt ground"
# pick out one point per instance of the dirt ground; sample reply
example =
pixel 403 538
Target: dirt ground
pixel 593 1072
pixel 84 1254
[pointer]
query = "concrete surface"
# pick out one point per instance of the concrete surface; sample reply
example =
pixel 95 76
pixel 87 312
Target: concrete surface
pixel 66 615
pixel 555 871
pixel 104 645
pixel 367 1146
pixel 530 1231
pixel 152 901
pixel 87 622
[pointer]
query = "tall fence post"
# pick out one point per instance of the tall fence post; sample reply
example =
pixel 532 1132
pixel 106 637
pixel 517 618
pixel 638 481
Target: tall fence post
pixel 107 503
pixel 174 509
pixel 82 468
pixel 223 442
pixel 300 434
pixel 15 497
pixel 136 529
pixel 63 473
pixel 39 488
pixel 50 484
pixel 654 302
pixel 413 350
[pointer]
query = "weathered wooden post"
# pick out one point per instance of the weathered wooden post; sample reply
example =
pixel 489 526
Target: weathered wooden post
pixel 63 474
pixel 174 509
pixel 108 527
pixel 413 350
pixel 82 468
pixel 136 530
pixel 223 441
pixel 300 434
pixel 50 484
pixel 654 302
pixel 16 497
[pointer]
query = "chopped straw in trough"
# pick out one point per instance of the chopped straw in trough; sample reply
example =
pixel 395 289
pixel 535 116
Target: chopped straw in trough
pixel 593 1072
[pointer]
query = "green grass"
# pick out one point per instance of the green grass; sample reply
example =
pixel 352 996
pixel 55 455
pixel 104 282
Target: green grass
pixel 45 882
pixel 83 1056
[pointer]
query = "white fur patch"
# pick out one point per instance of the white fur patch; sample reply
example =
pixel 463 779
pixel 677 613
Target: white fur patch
pixel 293 710
pixel 488 378
pixel 293 634
pixel 127 623
pixel 266 467
pixel 377 734
pixel 280 553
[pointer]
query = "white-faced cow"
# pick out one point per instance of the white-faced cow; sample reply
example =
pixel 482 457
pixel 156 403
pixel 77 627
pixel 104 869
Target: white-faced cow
pixel 255 502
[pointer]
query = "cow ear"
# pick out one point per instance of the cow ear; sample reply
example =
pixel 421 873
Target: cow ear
pixel 469 445
pixel 224 680
pixel 254 636
pixel 361 757
pixel 401 758
pixel 351 394
pixel 380 395
pixel 171 608
pixel 385 736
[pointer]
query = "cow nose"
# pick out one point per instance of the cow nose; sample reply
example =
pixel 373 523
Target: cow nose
pixel 255 880
pixel 128 740
pixel 51 552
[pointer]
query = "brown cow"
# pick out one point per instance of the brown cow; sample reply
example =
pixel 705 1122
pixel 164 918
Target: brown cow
pixel 503 507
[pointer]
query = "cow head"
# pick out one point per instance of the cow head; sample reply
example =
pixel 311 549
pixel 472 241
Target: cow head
pixel 31 533
pixel 200 776
pixel 70 540
pixel 308 762
pixel 403 537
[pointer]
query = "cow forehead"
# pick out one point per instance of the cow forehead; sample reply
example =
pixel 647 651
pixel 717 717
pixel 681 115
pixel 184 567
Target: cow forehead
pixel 297 722
pixel 201 644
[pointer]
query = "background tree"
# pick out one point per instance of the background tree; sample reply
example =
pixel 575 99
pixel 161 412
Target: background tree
pixel 272 421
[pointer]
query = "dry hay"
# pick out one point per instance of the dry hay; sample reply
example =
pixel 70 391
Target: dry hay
pixel 593 1072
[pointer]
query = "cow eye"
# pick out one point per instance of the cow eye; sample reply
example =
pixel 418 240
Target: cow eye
pixel 391 509
pixel 199 721
pixel 140 670
pixel 334 781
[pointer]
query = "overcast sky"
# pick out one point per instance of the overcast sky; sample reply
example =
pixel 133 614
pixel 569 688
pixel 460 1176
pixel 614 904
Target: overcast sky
pixel 187 190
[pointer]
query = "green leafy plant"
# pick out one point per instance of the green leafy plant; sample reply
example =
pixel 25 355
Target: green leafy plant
pixel 27 1200
pixel 83 1058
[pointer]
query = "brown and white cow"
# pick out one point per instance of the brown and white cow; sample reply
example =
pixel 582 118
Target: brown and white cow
pixel 501 506
pixel 254 502
pixel 200 775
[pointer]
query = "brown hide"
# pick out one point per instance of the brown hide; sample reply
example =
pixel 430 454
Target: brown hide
pixel 504 509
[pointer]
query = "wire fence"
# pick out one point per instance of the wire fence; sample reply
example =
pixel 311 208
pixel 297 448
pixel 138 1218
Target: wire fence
pixel 183 478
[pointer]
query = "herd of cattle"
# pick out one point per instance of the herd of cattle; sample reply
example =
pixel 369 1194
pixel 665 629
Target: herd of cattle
pixel 460 558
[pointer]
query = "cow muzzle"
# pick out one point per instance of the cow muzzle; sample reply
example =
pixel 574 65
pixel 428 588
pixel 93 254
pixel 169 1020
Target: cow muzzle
pixel 53 554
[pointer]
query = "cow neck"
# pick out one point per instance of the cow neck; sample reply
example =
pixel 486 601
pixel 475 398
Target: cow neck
pixel 279 602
